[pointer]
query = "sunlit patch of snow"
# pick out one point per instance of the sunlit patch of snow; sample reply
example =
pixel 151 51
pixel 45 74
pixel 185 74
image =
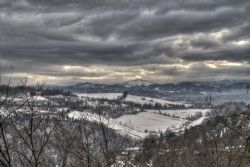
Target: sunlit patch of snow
pixel 2 112
pixel 197 122
pixel 88 116
pixel 39 98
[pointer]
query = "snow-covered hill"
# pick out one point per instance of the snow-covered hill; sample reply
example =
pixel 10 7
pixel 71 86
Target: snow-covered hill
pixel 130 98
pixel 189 92
pixel 142 124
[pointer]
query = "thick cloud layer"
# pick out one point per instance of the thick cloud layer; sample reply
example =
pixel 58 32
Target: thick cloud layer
pixel 62 41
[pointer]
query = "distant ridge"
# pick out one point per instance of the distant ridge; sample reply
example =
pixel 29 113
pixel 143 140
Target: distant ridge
pixel 138 82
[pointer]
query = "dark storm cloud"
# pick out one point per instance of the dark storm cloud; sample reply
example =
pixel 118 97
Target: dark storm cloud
pixel 241 32
pixel 205 43
pixel 229 54
pixel 39 34
pixel 182 22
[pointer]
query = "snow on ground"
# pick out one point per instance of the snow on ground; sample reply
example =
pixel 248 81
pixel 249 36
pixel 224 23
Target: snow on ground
pixel 38 99
pixel 132 98
pixel 87 116
pixel 197 122
pixel 35 98
pixel 57 96
pixel 24 98
pixel 111 123
pixel 150 121
pixel 183 113
pixel 43 99
pixel 2 112
pixel 139 125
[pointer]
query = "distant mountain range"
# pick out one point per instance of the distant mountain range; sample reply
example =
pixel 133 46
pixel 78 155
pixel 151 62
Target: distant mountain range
pixel 188 92
pixel 138 82
pixel 142 87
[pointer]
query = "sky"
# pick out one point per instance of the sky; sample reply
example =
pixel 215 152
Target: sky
pixel 112 41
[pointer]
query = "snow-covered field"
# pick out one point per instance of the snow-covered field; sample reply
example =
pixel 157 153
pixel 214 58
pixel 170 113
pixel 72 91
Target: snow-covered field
pixel 150 121
pixel 129 98
pixel 111 123
pixel 139 125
